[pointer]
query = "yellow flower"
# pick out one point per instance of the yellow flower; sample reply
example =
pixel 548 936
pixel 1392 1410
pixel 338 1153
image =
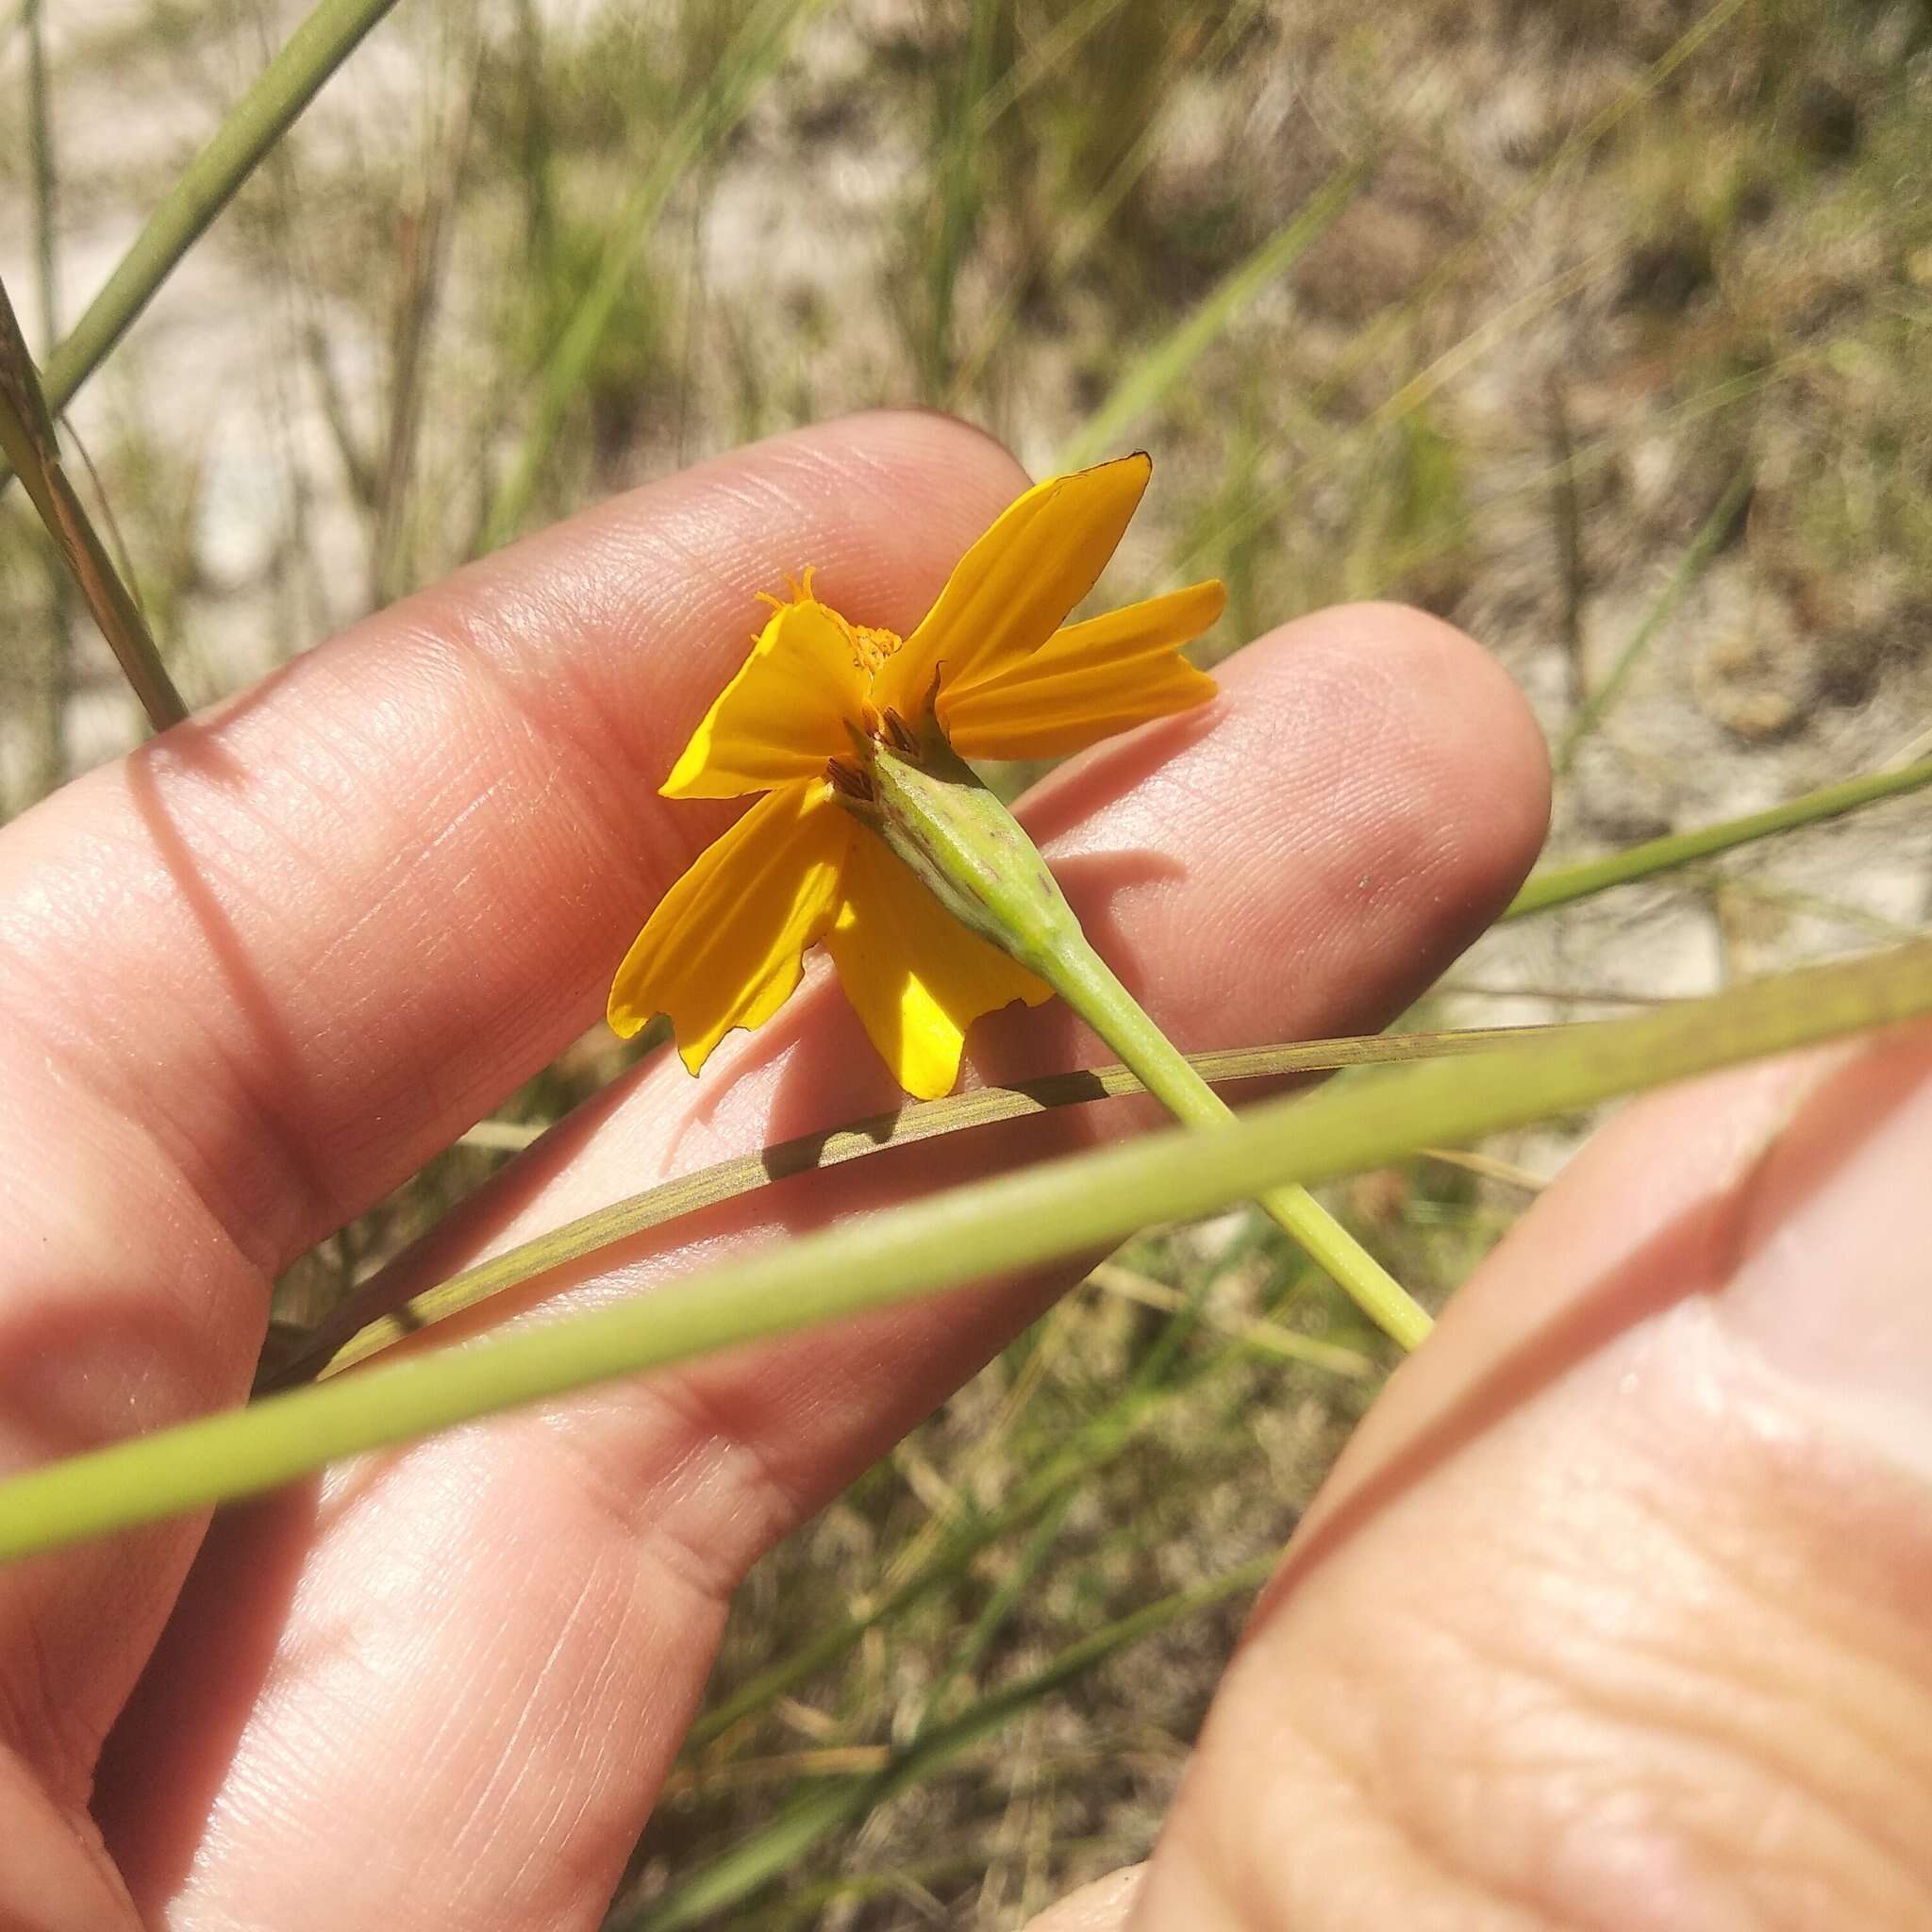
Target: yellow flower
pixel 989 667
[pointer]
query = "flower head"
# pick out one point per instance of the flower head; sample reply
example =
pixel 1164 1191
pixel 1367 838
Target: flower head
pixel 992 670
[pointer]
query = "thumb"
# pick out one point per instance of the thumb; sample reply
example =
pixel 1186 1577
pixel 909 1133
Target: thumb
pixel 1615 1612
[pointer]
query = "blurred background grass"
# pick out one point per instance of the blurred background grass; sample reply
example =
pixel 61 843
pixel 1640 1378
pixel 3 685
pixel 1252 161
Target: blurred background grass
pixel 1601 332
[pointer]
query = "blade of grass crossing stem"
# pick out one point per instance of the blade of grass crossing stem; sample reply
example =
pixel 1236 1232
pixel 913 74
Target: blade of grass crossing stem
pixel 1092 988
pixel 323 41
pixel 1562 884
pixel 726 97
pixel 1167 363
pixel 31 448
pixel 949 1238
pixel 768 1854
pixel 371 1320
pixel 1704 546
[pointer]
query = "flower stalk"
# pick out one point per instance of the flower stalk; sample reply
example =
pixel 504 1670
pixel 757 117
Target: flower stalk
pixel 939 820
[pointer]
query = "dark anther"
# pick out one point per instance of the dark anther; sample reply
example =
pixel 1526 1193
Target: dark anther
pixel 849 780
pixel 900 735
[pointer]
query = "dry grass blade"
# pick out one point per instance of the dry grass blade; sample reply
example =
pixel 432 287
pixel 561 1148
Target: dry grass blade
pixel 32 449
pixel 1254 1331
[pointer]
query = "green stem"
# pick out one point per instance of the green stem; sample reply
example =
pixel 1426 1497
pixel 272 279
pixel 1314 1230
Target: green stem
pixel 1560 885
pixel 1089 986
pixel 946 1239
pixel 258 121
pixel 955 837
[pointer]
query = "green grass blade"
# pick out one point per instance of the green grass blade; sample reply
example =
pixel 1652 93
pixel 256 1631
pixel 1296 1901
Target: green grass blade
pixel 372 1320
pixel 40 142
pixel 973 1643
pixel 1703 547
pixel 1167 363
pixel 949 1238
pixel 31 448
pixel 1561 885
pixel 729 93
pixel 320 45
pixel 55 682
pixel 768 1854
pixel 958 191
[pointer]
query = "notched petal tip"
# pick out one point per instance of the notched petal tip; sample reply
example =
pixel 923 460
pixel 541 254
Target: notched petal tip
pixel 916 977
pixel 723 949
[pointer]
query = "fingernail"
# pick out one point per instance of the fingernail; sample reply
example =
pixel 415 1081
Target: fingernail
pixel 1835 1283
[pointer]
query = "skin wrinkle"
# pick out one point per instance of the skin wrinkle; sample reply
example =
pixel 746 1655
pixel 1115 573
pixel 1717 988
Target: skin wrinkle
pixel 1244 1879
pixel 1704 1753
pixel 702 1438
pixel 1419 1829
pixel 528 1691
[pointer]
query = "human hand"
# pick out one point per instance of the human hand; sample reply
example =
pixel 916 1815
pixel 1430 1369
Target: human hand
pixel 1614 1612
pixel 260 971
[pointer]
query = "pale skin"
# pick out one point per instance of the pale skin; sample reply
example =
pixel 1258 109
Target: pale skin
pixel 1614 1614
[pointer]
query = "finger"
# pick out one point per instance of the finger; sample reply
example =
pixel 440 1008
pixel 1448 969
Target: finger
pixel 343 913
pixel 253 975
pixel 1616 1615
pixel 1314 823
pixel 1101 1906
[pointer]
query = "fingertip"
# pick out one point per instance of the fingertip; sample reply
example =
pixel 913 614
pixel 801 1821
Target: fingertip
pixel 1464 766
pixel 1475 736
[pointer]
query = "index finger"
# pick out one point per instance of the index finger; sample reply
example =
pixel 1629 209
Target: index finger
pixel 253 975
pixel 351 908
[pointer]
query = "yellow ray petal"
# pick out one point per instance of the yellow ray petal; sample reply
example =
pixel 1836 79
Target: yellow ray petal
pixel 723 949
pixel 1086 681
pixel 917 978
pixel 1013 588
pixel 782 716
